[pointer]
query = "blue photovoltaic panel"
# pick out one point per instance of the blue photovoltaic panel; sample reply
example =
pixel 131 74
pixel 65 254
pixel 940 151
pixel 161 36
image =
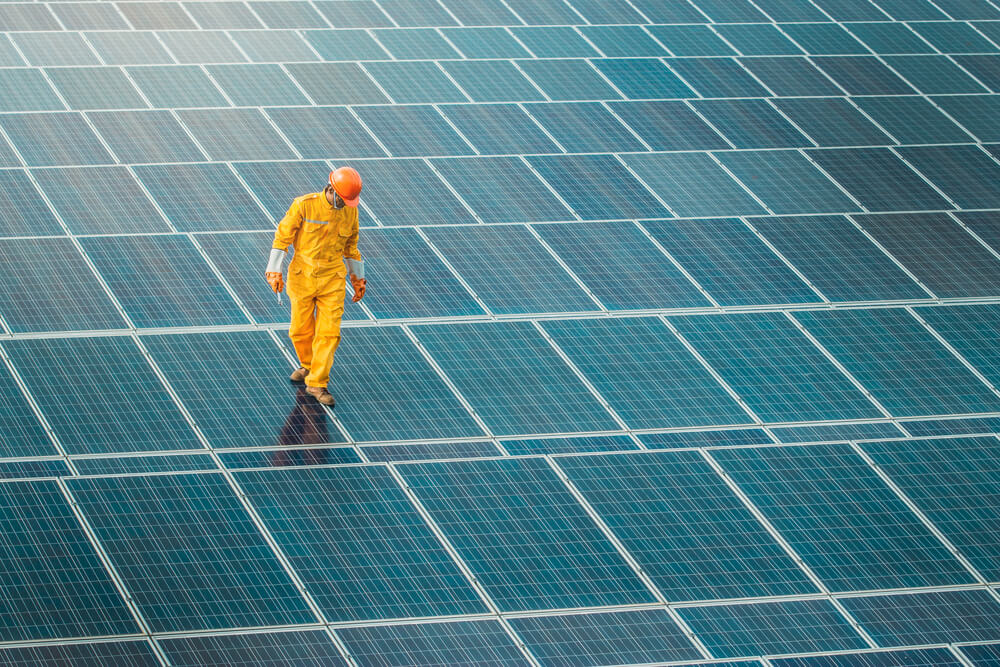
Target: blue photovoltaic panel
pixel 976 113
pixel 890 38
pixel 138 653
pixel 825 39
pixel 598 187
pixel 693 184
pixel 28 91
pixel 643 78
pixel 236 134
pixel 486 43
pixel 502 189
pixel 568 79
pixel 335 45
pixel 833 122
pixel 499 128
pixel 430 451
pixel 787 182
pixel 751 124
pixel 584 127
pixel 54 583
pixel 899 362
pixel 145 136
pixel 261 406
pixel 593 443
pixel 623 41
pixel 780 374
pixel 305 647
pixel 284 457
pixel 523 535
pixel 937 251
pixel 29 469
pixel 689 532
pixel 838 259
pixel 86 88
pixel 492 81
pixel 804 626
pixel 360 546
pixel 928 618
pixel 180 85
pixel 731 11
pixel 397 79
pixel 651 281
pixel 115 401
pixel 557 42
pixel 956 483
pixel 408 131
pixel 929 427
pixel 118 465
pixel 935 74
pixel 966 174
pixel 931 657
pixel 412 279
pixel 197 46
pixel 388 391
pixel 356 14
pixel 836 432
pixel 985 655
pixel 691 40
pixel 953 37
pixel 730 262
pixel 270 45
pixel 53 139
pixel 162 281
pixel 967 328
pixel 667 125
pixel 503 264
pixel 325 133
pixel 276 184
pixel 603 639
pixel 409 13
pixel 482 643
pixel 758 39
pixel 407 192
pixel 480 12
pixel 36 298
pixel 841 518
pixel 719 438
pixel 188 552
pixel 259 85
pixel 645 373
pixel 787 75
pixel 863 75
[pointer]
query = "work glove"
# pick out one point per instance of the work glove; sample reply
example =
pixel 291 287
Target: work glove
pixel 359 288
pixel 275 280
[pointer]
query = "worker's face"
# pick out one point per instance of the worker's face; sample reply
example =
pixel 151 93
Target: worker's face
pixel 334 199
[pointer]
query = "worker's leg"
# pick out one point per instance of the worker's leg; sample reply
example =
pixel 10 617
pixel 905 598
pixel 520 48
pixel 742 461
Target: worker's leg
pixel 329 310
pixel 303 323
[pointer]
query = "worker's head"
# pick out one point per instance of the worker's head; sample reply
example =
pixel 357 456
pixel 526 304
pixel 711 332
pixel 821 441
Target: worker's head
pixel 345 187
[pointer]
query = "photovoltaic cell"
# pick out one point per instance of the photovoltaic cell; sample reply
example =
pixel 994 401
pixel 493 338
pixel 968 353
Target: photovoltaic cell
pixel 396 79
pixel 499 128
pixel 486 42
pixel 138 653
pixel 863 75
pixel 325 132
pixel 966 174
pixel 691 40
pixel 271 45
pixel 256 85
pixel 721 437
pixel 954 481
pixel 523 535
pixel 27 90
pixel 247 367
pixel 409 13
pixel 55 585
pixel 833 122
pixel 931 657
pixel 985 655
pixel 668 126
pixel 52 49
pixel 622 41
pixel 889 38
pixel 954 37
pixel 780 374
pixel 900 362
pixel 157 16
pixel 976 113
pixel 430 451
pixel 689 532
pixel 790 76
pixel 929 427
pixel 841 518
pixel 647 376
pixel 824 39
pixel 593 443
pixel 966 329
pixel 145 136
pixel 31 469
pixel 584 127
pixel 803 626
pixel 731 11
pixel 503 264
pixel 912 120
pixel 758 39
pixel 54 139
pixel 290 456
pixel 109 399
pixel 354 14
pixel 295 14
pixel 305 647
pixel 717 77
pixel 178 85
pixel 928 618
pixel 492 81
pixel 333 45
pixel 934 74
pixel 22 211
pixel 276 184
pixel 413 131
pixel 643 78
pixel 513 379
pixel 119 465
pixel 835 432
pixel 223 15
pixel 568 79
pixel 95 88
pixel 129 48
pixel 554 42
pixel 188 552
pixel 235 134
pixel 433 644
pixel 751 124
pixel 201 46
pixel 602 639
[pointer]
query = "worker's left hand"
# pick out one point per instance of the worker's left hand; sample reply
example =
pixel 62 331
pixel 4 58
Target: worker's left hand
pixel 359 288
pixel 275 280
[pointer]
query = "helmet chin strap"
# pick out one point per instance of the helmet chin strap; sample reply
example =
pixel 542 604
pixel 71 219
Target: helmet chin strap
pixel 338 202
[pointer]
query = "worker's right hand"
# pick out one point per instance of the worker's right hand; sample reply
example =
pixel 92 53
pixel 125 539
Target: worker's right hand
pixel 275 280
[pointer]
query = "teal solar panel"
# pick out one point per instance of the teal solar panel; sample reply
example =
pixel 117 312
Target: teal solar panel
pixel 145 136
pixel 967 329
pixel 831 432
pixel 717 77
pixel 499 128
pixel 179 85
pixel 492 81
pixel 27 91
pixel 555 42
pixel 833 122
pixel 486 43
pixel 405 192
pixel 928 618
pixel 585 127
pixel 691 40
pixel 935 75
pixel 236 134
pixel 790 76
pixel 408 131
pixel 758 39
pixel 256 85
pixel 325 133
pixel 889 38
pixel 966 174
pixel 623 41
pixel 720 438
pixel 95 88
pixel 577 445
pixel 667 126
pixel 304 647
pixel 751 124
pixel 396 79
pixel 976 113
pixel 54 139
pixel 912 120
pixel 568 79
pixel 483 643
pixel 863 75
pixel 137 652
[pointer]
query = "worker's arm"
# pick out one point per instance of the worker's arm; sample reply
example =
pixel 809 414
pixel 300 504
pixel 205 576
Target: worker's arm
pixel 355 265
pixel 283 237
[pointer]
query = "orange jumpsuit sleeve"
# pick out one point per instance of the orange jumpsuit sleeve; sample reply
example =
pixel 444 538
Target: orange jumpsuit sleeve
pixel 284 236
pixel 351 247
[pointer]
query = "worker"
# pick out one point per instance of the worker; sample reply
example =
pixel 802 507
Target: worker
pixel 323 229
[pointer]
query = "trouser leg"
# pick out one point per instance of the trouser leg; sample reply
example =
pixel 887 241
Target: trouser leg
pixel 329 310
pixel 303 328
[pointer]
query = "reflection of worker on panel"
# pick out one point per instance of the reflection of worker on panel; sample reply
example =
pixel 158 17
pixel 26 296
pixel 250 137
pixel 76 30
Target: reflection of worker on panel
pixel 323 229
pixel 306 425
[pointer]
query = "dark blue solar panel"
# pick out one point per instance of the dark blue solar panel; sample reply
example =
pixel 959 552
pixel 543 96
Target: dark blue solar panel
pixel 397 78
pixel 326 132
pixel 388 391
pixel 138 653
pixel 803 626
pixel 54 583
pixel 968 329
pixel 118 465
pixel 236 134
pixel 433 645
pixel 954 37
pixel 986 655
pixel 623 41
pixel 691 40
pixel 932 657
pixel 841 518
pixel 399 255
pixel 52 139
pixel 430 451
pixel 693 184
pixel 117 403
pixel 305 647
pixel 730 262
pixel 928 618
pixel 833 122
pixel 966 174
pixel 162 281
pixel 688 531
pixel 838 259
pixel 912 120
pixel 36 298
pixel 668 125
pixel 976 113
pixel 779 373
pixel 29 469
pixel 499 128
pixel 584 127
pixel 188 552
pixel 413 131
pixel 486 43
pixel 836 432
pixel 621 266
pixel 502 189
pixel 286 456
pixel 863 75
pixel 593 443
pixel 721 437
pixel 492 81
pixel 758 39
pixel 504 263
pixel 956 483
pixel 751 124
pixel 645 373
pixel 790 76
pixel 523 535
pixel 967 10
pixel 360 546
pixel 598 187
pixel 928 427
pixel 603 639
pixel 879 180
pixel 717 77
pixel 643 78
pixel 568 79
pixel 900 362
pixel 407 192
pixel 787 182
pixel 935 75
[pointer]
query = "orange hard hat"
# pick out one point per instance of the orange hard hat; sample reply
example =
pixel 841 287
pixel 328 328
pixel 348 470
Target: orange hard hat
pixel 346 182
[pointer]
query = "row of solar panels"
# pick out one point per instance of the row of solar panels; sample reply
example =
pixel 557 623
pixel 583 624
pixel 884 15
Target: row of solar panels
pixel 240 46
pixel 416 13
pixel 454 538
pixel 481 380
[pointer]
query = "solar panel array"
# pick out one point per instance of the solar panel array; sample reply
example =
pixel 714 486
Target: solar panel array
pixel 679 345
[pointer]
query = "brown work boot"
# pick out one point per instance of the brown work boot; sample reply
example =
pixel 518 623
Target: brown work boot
pixel 321 395
pixel 299 374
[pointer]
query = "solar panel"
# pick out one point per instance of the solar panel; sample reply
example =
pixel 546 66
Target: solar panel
pixel 433 644
pixel 593 443
pixel 987 655
pixel 912 658
pixel 306 647
pixel 751 124
pixel 138 653
pixel 721 437
pixel 945 617
pixel 836 432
